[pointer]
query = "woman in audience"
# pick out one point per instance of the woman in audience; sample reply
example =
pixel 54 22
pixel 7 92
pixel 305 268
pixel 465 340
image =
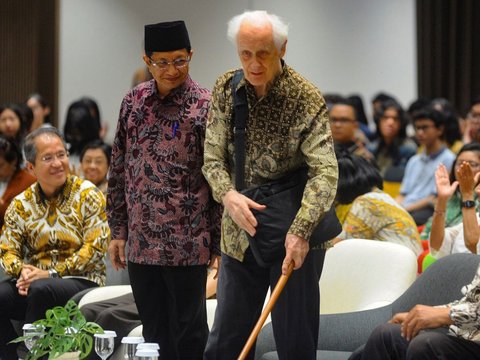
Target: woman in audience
pixel 392 149
pixel 462 237
pixel 373 214
pixel 80 128
pixel 13 179
pixel 12 123
pixel 95 160
pixel 453 136
pixel 453 210
pixel 40 109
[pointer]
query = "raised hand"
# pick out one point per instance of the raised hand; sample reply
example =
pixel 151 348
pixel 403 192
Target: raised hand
pixel 444 189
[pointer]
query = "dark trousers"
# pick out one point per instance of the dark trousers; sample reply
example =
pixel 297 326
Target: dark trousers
pixel 119 314
pixel 241 291
pixel 42 295
pixel 422 215
pixel 385 342
pixel 172 307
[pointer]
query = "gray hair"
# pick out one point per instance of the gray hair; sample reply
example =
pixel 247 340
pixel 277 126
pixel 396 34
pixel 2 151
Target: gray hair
pixel 30 148
pixel 259 18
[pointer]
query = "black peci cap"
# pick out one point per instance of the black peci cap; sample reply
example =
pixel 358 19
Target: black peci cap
pixel 166 36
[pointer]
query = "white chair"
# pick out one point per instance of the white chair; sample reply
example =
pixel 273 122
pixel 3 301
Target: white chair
pixel 363 274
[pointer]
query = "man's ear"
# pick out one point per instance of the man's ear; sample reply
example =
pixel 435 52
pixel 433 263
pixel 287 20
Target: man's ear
pixel 284 49
pixel 146 59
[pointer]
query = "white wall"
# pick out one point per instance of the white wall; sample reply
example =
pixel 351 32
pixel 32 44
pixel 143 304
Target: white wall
pixel 342 46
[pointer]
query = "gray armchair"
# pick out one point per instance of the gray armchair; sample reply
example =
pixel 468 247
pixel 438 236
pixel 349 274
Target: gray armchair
pixel 341 334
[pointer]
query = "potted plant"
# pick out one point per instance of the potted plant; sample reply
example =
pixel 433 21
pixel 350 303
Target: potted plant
pixel 64 330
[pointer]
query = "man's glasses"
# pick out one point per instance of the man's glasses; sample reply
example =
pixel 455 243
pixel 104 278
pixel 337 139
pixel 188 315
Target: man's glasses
pixel 177 63
pixel 340 120
pixel 50 158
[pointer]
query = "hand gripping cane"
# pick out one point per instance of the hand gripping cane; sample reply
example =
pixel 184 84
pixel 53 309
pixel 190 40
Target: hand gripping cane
pixel 282 281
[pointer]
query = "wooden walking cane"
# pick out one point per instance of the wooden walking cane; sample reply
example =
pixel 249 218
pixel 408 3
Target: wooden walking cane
pixel 268 308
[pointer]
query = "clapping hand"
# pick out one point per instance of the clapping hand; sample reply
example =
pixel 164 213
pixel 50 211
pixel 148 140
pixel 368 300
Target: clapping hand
pixel 466 179
pixel 444 189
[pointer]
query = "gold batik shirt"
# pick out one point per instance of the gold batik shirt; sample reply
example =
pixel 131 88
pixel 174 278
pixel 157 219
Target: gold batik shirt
pixel 286 128
pixel 68 233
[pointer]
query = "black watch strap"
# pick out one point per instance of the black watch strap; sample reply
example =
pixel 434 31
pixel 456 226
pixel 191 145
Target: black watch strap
pixel 468 204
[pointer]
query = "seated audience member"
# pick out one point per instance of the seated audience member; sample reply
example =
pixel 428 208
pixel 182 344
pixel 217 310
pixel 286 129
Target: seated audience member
pixel 392 148
pixel 95 111
pixel 422 332
pixel 40 109
pixel 372 213
pixel 13 179
pixel 377 101
pixel 121 315
pixel 12 122
pixel 94 162
pixel 462 237
pixel 54 238
pixel 453 136
pixel 453 211
pixel 357 102
pixel 417 192
pixel 80 128
pixel 472 122
pixel 344 125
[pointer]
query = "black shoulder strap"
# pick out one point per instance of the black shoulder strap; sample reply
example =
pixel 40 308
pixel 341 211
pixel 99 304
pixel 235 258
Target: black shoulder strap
pixel 240 116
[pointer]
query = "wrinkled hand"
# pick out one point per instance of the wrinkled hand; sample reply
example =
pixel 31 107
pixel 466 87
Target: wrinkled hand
pixel 29 274
pixel 238 206
pixel 466 179
pixel 442 180
pixel 398 318
pixel 116 251
pixel 424 317
pixel 296 250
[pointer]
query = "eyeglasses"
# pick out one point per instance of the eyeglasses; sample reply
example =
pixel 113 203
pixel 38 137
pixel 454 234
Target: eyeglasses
pixel 177 63
pixel 423 127
pixel 50 158
pixel 340 120
pixel 97 162
pixel 473 116
pixel 473 164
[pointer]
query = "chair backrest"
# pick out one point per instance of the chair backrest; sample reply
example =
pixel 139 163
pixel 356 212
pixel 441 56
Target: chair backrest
pixel 440 283
pixel 363 274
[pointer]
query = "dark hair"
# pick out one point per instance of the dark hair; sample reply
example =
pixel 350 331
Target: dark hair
pixel 357 103
pixel 21 117
pixel 29 147
pixel 10 151
pixel 94 109
pixel 382 97
pixel 80 127
pixel 473 146
pixel 41 100
pixel 331 99
pixel 452 124
pixel 356 176
pixel 97 144
pixel 346 102
pixel 431 114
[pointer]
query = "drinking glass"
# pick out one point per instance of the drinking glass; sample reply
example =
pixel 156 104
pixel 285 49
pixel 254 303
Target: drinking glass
pixel 104 344
pixel 33 332
pixel 147 354
pixel 130 346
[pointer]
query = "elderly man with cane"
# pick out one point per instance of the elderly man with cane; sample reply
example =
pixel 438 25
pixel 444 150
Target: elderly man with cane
pixel 287 129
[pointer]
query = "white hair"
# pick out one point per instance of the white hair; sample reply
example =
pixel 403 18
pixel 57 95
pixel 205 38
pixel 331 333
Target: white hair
pixel 259 18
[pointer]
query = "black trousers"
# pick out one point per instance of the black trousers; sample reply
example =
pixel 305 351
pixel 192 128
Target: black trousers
pixel 119 314
pixel 241 292
pixel 42 295
pixel 172 307
pixel 385 342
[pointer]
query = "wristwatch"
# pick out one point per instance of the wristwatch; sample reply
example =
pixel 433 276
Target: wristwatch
pixel 468 204
pixel 52 273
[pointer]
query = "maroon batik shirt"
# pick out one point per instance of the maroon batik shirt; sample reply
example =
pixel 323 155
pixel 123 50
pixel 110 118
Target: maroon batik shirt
pixel 158 199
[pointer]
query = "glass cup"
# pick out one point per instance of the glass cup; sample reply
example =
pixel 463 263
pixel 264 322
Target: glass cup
pixel 130 344
pixel 33 332
pixel 151 346
pixel 147 354
pixel 104 344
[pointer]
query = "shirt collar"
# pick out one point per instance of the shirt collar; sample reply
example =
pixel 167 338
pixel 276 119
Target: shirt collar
pixel 60 195
pixel 426 157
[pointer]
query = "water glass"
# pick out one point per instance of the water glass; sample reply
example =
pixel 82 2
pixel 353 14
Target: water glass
pixel 130 344
pixel 147 354
pixel 104 344
pixel 33 332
